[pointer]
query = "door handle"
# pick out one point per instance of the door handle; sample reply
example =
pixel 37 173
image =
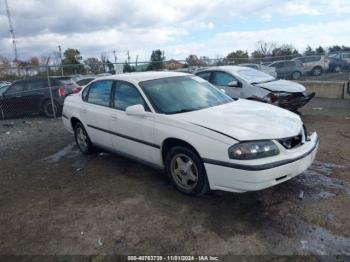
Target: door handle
pixel 114 117
pixel 83 110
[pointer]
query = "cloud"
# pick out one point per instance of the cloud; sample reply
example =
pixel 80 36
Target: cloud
pixel 179 27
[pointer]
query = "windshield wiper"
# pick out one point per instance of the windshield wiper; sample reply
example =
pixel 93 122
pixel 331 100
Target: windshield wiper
pixel 186 110
pixel 254 83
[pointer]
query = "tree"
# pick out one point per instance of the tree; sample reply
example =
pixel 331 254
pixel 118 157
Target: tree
pixel 157 58
pixel 320 50
pixel 264 49
pixel 94 65
pixel 71 62
pixel 334 49
pixel 193 60
pixel 308 51
pixel 110 67
pixel 128 68
pixel 238 57
pixel 285 50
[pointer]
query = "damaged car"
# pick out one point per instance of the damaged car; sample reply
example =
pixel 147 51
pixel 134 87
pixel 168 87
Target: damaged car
pixel 203 139
pixel 244 82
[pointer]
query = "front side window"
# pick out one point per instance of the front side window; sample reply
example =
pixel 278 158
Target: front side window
pixel 100 93
pixel 222 79
pixel 16 88
pixel 182 94
pixel 204 75
pixel 127 95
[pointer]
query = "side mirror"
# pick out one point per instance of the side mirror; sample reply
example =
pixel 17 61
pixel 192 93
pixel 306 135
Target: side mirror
pixel 223 90
pixel 135 110
pixel 233 84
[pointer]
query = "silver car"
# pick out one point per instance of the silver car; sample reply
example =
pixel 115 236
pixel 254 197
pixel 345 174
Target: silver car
pixel 314 65
pixel 244 82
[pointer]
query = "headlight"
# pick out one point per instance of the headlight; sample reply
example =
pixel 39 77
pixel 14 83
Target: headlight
pixel 270 98
pixel 253 150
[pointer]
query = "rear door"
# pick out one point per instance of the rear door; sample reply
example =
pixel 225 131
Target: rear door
pixel 36 90
pixel 133 135
pixel 96 112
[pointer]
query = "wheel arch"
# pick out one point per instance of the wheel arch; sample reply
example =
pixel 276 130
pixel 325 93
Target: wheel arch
pixel 170 142
pixel 74 120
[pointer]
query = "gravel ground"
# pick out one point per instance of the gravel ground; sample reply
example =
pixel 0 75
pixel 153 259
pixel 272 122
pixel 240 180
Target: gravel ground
pixel 55 201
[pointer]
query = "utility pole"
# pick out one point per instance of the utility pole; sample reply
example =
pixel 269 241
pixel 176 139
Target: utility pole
pixel 128 54
pixel 60 51
pixel 12 32
pixel 137 57
pixel 115 56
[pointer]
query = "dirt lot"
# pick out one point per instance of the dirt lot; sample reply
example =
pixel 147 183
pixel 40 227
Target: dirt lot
pixel 56 201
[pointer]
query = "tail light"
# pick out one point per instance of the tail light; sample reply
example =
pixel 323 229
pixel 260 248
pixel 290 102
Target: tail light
pixel 62 92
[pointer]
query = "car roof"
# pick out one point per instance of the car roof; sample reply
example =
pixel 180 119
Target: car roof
pixel 137 77
pixel 228 68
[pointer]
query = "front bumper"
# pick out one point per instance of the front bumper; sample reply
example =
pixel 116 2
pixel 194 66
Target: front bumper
pixel 232 177
pixel 293 102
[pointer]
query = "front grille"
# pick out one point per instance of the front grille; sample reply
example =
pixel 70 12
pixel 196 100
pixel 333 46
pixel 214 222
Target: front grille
pixel 291 142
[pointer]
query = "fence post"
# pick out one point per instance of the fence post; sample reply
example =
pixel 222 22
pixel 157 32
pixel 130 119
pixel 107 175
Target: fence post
pixel 50 89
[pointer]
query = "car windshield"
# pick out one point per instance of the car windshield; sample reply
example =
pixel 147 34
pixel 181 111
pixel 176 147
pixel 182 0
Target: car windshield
pixel 182 94
pixel 254 76
pixel 3 88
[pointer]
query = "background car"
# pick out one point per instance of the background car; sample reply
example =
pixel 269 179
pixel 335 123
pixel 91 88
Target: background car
pixel 314 65
pixel 32 96
pixel 336 64
pixel 263 68
pixel 81 81
pixel 343 56
pixel 288 69
pixel 244 82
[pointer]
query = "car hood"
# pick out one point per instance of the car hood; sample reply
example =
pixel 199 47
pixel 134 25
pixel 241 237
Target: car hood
pixel 246 120
pixel 283 86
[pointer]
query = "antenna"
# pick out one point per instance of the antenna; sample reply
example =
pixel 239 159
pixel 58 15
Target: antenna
pixel 11 30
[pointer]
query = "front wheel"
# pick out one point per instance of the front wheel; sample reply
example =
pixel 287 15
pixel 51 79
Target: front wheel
pixel 296 75
pixel 186 170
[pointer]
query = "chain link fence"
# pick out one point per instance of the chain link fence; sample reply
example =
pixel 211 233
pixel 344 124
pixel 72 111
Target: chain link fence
pixel 39 91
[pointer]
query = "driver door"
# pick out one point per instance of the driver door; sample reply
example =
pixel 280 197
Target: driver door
pixel 133 135
pixel 222 79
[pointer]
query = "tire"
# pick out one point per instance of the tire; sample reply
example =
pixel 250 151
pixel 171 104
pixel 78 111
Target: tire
pixel 296 75
pixel 317 71
pixel 82 139
pixel 48 110
pixel 186 170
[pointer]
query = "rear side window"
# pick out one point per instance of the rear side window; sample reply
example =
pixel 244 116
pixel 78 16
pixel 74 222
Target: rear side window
pixel 222 79
pixel 204 75
pixel 37 84
pixel 100 93
pixel 290 63
pixel 84 82
pixel 127 95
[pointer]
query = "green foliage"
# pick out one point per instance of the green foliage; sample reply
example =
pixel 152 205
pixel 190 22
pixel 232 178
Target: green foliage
pixel 237 57
pixel 157 59
pixel 128 68
pixel 70 62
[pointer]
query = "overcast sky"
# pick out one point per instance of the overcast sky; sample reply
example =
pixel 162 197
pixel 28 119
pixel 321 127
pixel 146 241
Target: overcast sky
pixel 182 27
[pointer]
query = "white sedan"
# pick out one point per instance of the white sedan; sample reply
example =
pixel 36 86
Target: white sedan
pixel 182 124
